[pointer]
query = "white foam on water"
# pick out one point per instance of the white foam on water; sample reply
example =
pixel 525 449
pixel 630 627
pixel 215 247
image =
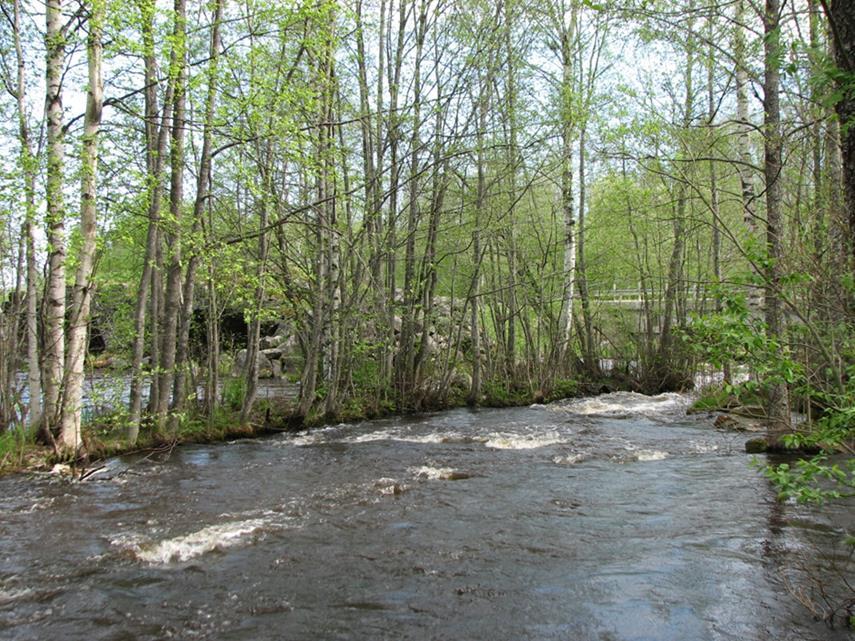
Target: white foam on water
pixel 370 437
pixel 389 435
pixel 650 455
pixel 42 504
pixel 570 459
pixel 432 473
pixel 626 404
pixel 188 546
pixel 704 448
pixel 509 441
pixel 389 486
pixel 309 437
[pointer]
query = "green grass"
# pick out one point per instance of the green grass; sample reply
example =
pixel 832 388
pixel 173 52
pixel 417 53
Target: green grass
pixel 722 398
pixel 18 450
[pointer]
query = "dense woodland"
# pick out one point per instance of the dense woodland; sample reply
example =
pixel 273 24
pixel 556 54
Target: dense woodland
pixel 405 204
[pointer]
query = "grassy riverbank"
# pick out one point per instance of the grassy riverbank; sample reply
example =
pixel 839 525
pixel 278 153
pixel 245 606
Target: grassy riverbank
pixel 106 436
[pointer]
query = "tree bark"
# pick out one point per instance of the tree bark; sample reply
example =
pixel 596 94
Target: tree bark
pixel 202 190
pixel 567 39
pixel 54 348
pixel 777 406
pixel 157 136
pixel 72 406
pixel 405 359
pixel 172 296
pixel 29 169
pixel 841 16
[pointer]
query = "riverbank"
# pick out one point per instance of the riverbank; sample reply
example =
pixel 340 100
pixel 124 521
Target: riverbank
pixel 105 437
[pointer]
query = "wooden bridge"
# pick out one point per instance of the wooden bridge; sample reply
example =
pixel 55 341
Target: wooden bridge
pixel 633 298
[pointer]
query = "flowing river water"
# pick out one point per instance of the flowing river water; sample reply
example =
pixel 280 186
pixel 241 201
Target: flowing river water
pixel 614 517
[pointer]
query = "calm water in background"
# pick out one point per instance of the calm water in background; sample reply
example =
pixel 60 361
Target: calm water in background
pixel 609 518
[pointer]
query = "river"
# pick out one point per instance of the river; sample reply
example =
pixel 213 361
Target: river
pixel 611 518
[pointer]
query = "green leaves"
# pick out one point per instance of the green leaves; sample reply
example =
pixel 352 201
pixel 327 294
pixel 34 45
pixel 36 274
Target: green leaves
pixel 814 480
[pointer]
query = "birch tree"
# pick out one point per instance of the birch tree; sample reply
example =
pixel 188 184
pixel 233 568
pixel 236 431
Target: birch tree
pixel 70 434
pixel 55 286
pixel 777 401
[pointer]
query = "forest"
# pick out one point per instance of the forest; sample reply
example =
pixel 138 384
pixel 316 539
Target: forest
pixel 393 206
pixel 341 234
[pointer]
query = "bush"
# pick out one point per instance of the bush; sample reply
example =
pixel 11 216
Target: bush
pixel 234 392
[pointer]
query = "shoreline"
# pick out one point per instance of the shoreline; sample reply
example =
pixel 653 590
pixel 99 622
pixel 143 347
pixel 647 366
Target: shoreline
pixel 103 441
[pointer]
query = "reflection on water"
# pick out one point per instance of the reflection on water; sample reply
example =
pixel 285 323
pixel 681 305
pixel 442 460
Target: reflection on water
pixel 615 517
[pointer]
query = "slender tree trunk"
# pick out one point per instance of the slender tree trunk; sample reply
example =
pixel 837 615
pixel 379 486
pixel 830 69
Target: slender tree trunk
pixel 480 215
pixel 714 198
pixel 324 186
pixel 406 357
pixel 665 359
pixel 172 297
pixel 818 221
pixel 156 318
pixel 202 189
pixel 777 401
pixel 54 349
pixel 743 141
pixel 568 130
pixel 514 164
pixel 591 364
pixel 70 435
pixel 157 136
pixel 254 336
pixel 29 169
pixel 394 133
pixel 841 16
pixel 837 224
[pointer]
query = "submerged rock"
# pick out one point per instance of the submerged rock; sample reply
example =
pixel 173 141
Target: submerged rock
pixel 757 445
pixel 390 487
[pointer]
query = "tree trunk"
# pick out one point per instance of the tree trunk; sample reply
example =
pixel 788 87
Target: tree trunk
pixel 568 130
pixel 777 402
pixel 665 366
pixel 54 349
pixel 172 297
pixel 70 435
pixel 202 187
pixel 841 16
pixel 254 335
pixel 405 359
pixel 714 197
pixel 480 215
pixel 29 169
pixel 157 136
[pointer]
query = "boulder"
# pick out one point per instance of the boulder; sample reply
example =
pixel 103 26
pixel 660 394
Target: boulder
pixel 461 380
pixel 756 446
pixel 239 364
pixel 268 342
pixel 273 353
pixel 265 366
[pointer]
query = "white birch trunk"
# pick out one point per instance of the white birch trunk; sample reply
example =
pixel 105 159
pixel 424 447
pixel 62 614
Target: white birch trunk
pixel 567 39
pixel 54 351
pixel 70 434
